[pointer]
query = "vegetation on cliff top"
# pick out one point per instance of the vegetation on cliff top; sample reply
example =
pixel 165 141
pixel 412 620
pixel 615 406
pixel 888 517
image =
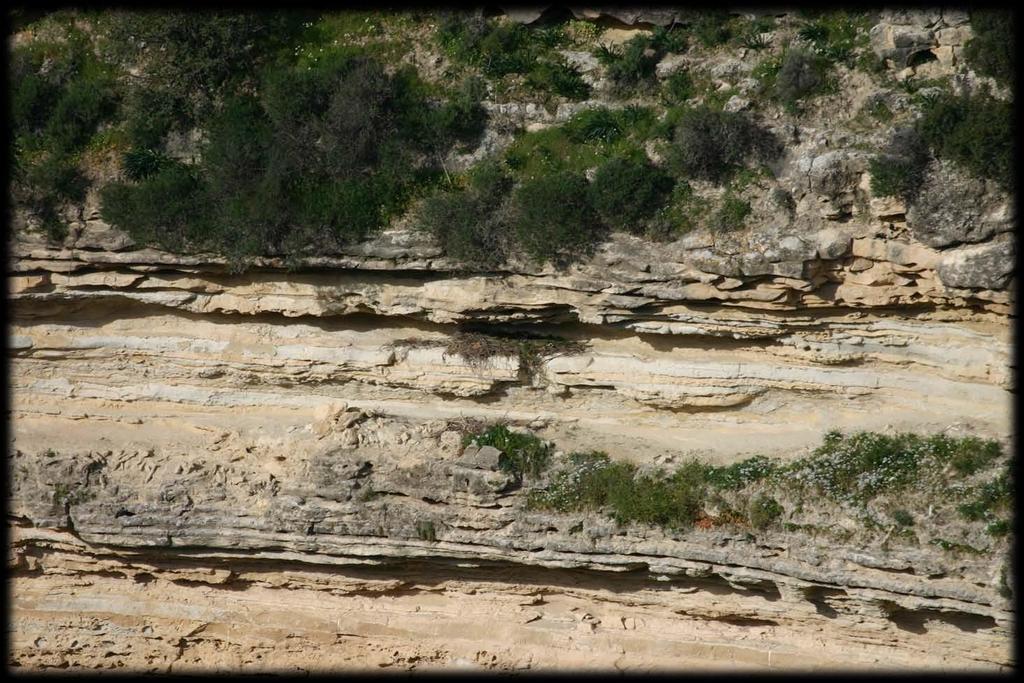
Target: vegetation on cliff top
pixel 295 133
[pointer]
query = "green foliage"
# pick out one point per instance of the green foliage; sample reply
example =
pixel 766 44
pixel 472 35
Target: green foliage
pixel 552 220
pixel 150 114
pixel 847 468
pixel 990 52
pixel 465 221
pixel 626 192
pixel 165 208
pixel 593 482
pixel 712 28
pixel 598 124
pixel 84 104
pixel 739 474
pixel 324 156
pixel 60 95
pixel 900 169
pixel 731 214
pixel 683 212
pixel 558 77
pixel 763 511
pixel 836 35
pixel 989 498
pixel 462 118
pixel 677 88
pixel 714 145
pixel 631 67
pixel 878 110
pixel 861 466
pixel 522 454
pixel 902 517
pixel 140 163
pixel 801 74
pixel 973 130
pixel 203 57
pixel 501 48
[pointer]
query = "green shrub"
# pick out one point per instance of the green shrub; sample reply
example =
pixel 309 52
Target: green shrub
pixel 763 510
pixel 84 104
pixel 989 498
pixel 522 454
pixel 462 118
pixel 150 114
pixel 60 95
pixel 465 221
pixel 559 78
pixel 836 35
pixel 677 88
pixel 801 74
pixel 712 28
pixel 33 96
pixel 990 52
pixel 731 214
pixel 713 145
pixel 497 48
pixel 164 208
pixel 140 163
pixel 625 192
pixel 631 67
pixel 552 219
pixel 975 131
pixel 902 517
pixel 323 155
pixel 593 482
pixel 684 212
pixel 861 465
pixel 207 55
pixel 599 123
pixel 900 170
pixel 736 476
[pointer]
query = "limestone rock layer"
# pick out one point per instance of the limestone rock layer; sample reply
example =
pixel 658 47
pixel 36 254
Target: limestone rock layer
pixel 234 471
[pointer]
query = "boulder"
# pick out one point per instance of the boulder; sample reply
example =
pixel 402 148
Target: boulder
pixel 986 266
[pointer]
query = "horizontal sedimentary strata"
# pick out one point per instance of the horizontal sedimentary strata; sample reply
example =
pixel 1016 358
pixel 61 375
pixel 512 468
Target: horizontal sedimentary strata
pixel 105 359
pixel 825 269
pixel 178 613
pixel 397 500
pixel 293 438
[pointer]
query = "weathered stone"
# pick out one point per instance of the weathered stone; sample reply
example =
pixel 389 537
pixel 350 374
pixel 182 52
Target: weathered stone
pixel 951 207
pixel 986 266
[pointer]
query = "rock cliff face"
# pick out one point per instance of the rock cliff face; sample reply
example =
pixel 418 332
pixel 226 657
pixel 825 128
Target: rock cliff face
pixel 266 470
pixel 258 454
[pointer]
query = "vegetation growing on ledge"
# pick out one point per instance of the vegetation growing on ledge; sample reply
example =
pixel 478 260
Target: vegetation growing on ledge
pixel 868 475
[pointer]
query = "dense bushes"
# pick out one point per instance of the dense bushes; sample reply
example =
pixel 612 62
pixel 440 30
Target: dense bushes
pixel 166 208
pixel 713 145
pixel 551 217
pixel 991 49
pixel 322 157
pixel 198 58
pixel 522 454
pixel 500 49
pixel 973 130
pixel 625 192
pixel 466 222
pixel 60 96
